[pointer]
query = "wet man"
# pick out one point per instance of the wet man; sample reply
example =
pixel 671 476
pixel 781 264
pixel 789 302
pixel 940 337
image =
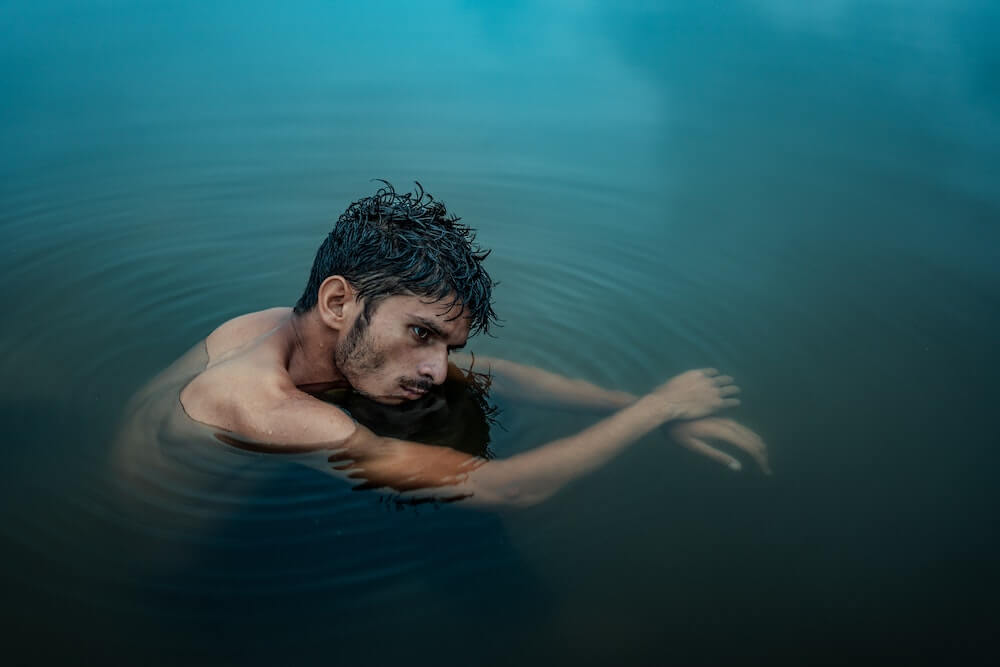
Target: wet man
pixel 396 288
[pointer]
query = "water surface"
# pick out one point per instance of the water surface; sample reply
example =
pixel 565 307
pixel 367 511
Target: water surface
pixel 804 197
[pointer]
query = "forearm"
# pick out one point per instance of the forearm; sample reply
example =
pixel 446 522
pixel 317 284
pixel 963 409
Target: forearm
pixel 425 471
pixel 531 477
pixel 300 423
pixel 537 385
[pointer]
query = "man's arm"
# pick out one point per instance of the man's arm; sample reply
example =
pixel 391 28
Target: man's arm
pixel 538 385
pixel 300 422
pixel 521 480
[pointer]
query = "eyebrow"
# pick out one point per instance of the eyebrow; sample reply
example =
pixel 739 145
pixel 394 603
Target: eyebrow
pixel 427 324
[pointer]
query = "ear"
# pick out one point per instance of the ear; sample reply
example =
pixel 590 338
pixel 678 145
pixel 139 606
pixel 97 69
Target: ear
pixel 336 302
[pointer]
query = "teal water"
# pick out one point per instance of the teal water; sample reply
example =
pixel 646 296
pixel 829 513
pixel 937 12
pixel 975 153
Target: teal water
pixel 802 196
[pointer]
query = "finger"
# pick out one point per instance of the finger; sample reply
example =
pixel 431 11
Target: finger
pixel 723 380
pixel 703 448
pixel 730 402
pixel 729 391
pixel 751 443
pixel 760 456
pixel 727 429
pixel 741 432
pixel 737 435
pixel 710 372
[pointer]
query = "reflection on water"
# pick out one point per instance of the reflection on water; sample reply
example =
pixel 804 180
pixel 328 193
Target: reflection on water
pixel 801 194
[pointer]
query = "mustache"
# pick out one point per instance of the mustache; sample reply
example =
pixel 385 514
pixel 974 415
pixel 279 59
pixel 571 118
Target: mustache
pixel 421 385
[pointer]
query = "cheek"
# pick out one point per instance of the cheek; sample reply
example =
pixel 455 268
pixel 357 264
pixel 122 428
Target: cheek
pixel 393 358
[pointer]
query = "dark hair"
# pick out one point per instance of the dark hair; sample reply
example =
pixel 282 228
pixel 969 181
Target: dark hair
pixel 392 243
pixel 461 414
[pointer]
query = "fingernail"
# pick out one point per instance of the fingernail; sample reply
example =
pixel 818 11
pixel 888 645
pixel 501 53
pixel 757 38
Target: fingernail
pixel 735 465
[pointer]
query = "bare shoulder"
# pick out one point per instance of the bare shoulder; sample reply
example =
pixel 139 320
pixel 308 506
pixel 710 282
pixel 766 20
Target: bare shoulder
pixel 240 332
pixel 246 389
pixel 245 371
pixel 262 405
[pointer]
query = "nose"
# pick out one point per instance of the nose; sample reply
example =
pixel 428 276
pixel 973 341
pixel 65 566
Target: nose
pixel 435 368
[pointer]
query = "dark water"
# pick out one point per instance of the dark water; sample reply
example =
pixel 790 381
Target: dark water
pixel 801 194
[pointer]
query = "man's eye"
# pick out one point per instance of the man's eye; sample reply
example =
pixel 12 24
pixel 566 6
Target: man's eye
pixel 420 332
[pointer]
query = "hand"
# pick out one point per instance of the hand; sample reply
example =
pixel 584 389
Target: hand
pixel 697 394
pixel 691 434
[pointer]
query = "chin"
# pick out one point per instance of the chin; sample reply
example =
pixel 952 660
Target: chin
pixel 389 400
pixel 376 396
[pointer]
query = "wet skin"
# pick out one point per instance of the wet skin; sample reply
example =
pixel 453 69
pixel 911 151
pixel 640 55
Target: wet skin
pixel 263 369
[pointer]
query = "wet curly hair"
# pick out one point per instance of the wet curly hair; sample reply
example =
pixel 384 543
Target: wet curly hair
pixel 392 243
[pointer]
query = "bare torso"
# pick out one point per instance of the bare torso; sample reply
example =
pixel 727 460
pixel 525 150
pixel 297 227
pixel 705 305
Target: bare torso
pixel 184 414
pixel 249 351
pixel 250 383
pixel 251 354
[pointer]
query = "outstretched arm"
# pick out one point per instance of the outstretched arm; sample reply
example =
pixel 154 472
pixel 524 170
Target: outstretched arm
pixel 425 471
pixel 536 384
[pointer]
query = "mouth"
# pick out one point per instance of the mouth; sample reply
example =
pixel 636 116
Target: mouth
pixel 412 393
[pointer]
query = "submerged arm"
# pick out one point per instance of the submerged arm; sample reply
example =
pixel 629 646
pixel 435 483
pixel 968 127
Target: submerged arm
pixel 538 385
pixel 521 480
pixel 431 472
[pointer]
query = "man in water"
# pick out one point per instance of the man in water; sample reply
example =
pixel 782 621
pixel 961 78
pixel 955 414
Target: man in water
pixel 396 287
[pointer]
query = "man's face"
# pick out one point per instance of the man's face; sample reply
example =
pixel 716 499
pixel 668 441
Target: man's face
pixel 403 351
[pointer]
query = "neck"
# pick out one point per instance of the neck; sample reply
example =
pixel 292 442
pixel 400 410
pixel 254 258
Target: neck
pixel 311 351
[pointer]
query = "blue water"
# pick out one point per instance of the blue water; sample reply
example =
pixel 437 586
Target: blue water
pixel 801 194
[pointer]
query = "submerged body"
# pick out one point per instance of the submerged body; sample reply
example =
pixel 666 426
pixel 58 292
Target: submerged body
pixel 240 387
pixel 395 288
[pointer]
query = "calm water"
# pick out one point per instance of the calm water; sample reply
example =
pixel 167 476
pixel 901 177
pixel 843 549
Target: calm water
pixel 801 194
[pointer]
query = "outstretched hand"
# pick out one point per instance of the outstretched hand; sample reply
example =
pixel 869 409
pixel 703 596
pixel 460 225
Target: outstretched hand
pixel 692 434
pixel 697 394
